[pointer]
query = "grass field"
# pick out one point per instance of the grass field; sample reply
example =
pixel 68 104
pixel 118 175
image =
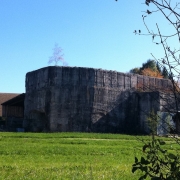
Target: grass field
pixel 72 156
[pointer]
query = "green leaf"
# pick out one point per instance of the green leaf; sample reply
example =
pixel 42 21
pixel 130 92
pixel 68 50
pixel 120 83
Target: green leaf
pixel 143 161
pixel 156 178
pixel 143 177
pixel 144 147
pixel 136 159
pixel 172 156
pixel 144 169
pixel 161 142
pixel 163 151
pixel 134 169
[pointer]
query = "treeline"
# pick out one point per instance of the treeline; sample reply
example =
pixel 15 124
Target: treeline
pixel 151 68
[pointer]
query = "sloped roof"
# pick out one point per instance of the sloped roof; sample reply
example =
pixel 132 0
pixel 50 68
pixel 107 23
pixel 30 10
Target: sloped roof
pixel 5 97
pixel 15 101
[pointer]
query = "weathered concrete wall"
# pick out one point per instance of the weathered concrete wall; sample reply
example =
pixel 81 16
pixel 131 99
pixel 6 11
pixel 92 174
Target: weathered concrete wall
pixel 87 99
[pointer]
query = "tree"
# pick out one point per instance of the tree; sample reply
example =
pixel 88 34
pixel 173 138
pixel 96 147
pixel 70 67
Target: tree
pixel 135 70
pixel 149 68
pixel 171 58
pixel 150 72
pixel 158 163
pixel 151 64
pixel 57 56
pixel 165 73
pixel 158 67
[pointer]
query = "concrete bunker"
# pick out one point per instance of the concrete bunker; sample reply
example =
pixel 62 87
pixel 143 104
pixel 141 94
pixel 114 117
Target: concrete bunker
pixel 85 99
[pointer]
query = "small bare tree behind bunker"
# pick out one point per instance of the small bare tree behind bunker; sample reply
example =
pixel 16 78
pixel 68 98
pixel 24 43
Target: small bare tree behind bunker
pixel 57 56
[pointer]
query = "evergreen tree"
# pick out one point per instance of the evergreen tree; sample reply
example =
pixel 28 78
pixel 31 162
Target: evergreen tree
pixel 158 67
pixel 151 64
pixel 135 71
pixel 165 73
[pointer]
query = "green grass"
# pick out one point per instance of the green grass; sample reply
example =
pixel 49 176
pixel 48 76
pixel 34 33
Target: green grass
pixel 72 156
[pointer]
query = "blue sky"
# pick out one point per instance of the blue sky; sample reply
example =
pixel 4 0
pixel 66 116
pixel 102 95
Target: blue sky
pixel 92 33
